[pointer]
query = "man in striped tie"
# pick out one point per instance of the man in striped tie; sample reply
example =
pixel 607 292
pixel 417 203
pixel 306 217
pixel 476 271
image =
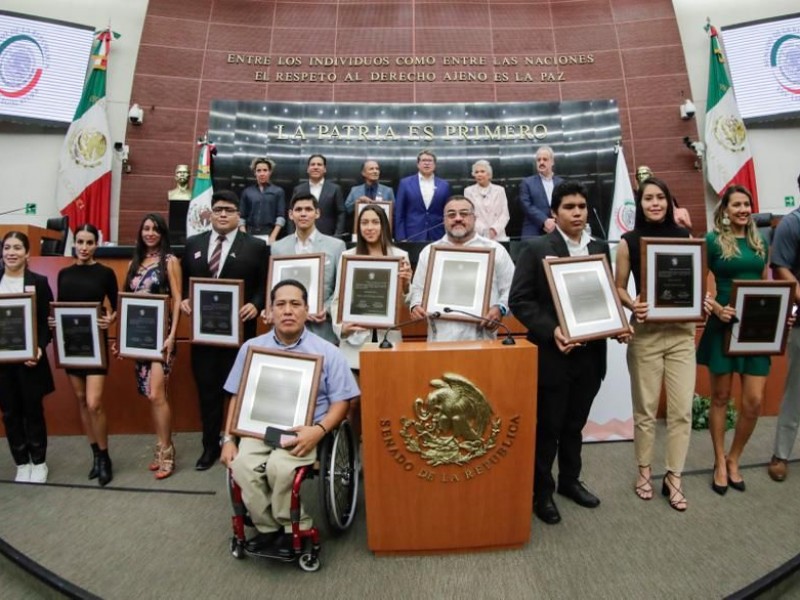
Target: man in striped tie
pixel 223 252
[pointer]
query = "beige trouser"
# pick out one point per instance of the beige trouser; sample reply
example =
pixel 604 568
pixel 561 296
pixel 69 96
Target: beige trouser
pixel 267 492
pixel 662 352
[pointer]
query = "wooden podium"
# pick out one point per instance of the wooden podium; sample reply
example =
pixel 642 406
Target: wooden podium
pixel 35 235
pixel 448 467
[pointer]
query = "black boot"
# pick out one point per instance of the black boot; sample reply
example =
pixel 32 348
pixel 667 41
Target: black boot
pixel 104 473
pixel 95 461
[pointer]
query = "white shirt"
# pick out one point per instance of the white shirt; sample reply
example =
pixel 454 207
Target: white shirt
pixel 304 247
pixel 548 188
pixel 580 248
pixel 316 188
pixel 226 246
pixel 427 187
pixel 12 285
pixel 445 330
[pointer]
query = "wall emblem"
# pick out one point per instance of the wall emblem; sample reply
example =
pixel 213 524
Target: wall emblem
pixel 450 425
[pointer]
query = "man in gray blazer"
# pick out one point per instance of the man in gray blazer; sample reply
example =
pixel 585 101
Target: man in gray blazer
pixel 307 239
pixel 371 189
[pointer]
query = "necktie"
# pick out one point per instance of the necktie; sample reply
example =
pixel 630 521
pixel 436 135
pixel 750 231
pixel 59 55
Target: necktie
pixel 213 264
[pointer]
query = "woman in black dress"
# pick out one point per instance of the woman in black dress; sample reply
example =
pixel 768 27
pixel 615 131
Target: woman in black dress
pixel 89 281
pixel 24 385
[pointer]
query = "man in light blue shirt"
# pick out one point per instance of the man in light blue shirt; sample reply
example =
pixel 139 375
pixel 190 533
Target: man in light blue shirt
pixel 265 474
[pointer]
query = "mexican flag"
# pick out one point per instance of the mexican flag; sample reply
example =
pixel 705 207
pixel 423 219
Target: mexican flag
pixel 728 158
pixel 198 217
pixel 83 191
pixel 623 207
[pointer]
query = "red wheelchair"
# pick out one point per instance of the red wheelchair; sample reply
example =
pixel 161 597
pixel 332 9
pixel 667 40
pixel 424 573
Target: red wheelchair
pixel 337 471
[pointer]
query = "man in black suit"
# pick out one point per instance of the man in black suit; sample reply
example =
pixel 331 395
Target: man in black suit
pixel 332 213
pixel 236 255
pixel 569 374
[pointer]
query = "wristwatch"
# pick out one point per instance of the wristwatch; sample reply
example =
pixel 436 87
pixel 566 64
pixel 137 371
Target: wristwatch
pixel 226 439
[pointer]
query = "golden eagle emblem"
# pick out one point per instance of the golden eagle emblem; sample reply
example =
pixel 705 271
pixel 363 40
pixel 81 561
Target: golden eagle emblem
pixel 729 131
pixel 450 424
pixel 87 147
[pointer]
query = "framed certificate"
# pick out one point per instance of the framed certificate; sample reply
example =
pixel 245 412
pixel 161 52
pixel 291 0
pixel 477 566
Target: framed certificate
pixel 459 279
pixel 386 205
pixel 79 341
pixel 673 280
pixel 308 269
pixel 763 308
pixel 215 311
pixel 278 389
pixel 18 328
pixel 585 298
pixel 142 325
pixel 369 290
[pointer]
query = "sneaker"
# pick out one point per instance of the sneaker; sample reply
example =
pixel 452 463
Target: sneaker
pixel 23 473
pixel 39 473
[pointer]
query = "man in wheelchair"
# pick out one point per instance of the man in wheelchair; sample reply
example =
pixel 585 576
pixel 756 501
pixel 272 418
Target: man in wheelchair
pixel 265 474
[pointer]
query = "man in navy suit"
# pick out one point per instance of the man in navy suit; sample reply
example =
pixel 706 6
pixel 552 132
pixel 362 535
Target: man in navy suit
pixel 420 201
pixel 242 256
pixel 535 193
pixel 332 214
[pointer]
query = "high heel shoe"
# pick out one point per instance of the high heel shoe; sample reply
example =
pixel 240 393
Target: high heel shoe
pixel 737 485
pixel 153 466
pixel 104 472
pixel 166 462
pixel 673 492
pixel 719 489
pixel 644 490
pixel 95 467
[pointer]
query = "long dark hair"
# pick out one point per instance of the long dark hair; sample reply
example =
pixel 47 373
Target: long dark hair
pixel 140 251
pixel 385 239
pixel 641 221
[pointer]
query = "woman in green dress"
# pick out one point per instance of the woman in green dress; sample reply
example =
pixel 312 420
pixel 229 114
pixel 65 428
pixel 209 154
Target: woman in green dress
pixel 736 250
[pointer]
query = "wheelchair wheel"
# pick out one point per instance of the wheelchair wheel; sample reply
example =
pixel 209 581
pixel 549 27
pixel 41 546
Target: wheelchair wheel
pixel 338 483
pixel 309 563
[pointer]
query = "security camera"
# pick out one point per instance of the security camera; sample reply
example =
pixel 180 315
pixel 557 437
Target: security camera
pixel 688 109
pixel 136 115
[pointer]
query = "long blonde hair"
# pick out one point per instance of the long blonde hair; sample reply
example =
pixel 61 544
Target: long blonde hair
pixel 725 238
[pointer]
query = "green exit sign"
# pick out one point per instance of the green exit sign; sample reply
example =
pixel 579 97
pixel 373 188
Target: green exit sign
pixel 788 200
pixel 30 208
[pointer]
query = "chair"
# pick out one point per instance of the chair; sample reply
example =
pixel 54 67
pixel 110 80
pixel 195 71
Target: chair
pixel 56 247
pixel 337 469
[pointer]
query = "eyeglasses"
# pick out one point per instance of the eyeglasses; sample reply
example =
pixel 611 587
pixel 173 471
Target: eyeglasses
pixel 228 210
pixel 452 214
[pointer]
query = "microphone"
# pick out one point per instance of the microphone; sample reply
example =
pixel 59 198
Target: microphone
pixel 424 231
pixel 385 343
pixel 509 341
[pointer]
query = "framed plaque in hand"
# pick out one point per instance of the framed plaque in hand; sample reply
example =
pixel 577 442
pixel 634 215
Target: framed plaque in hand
pixel 278 389
pixel 142 326
pixel 215 311
pixel 308 269
pixel 762 308
pixel 460 279
pixel 673 281
pixel 369 290
pixel 79 341
pixel 585 298
pixel 18 328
